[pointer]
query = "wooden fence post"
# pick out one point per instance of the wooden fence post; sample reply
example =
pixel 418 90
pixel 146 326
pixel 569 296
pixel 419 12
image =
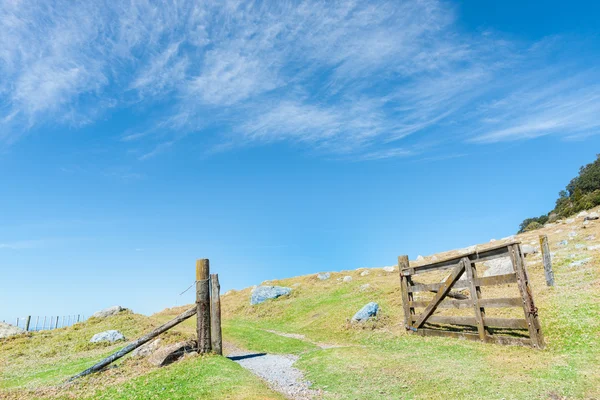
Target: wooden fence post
pixel 407 297
pixel 56 326
pixel 203 305
pixel 547 259
pixel 37 320
pixel 215 315
pixel 27 322
pixel 44 324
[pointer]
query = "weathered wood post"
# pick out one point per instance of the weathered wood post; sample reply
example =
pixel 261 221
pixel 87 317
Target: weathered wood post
pixel 27 322
pixel 56 326
pixel 44 324
pixel 547 259
pixel 407 297
pixel 203 305
pixel 215 315
pixel 37 320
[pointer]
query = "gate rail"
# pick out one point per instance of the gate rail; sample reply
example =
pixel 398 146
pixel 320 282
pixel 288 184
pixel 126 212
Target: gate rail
pixel 465 264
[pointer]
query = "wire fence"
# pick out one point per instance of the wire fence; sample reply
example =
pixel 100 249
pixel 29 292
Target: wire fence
pixel 40 323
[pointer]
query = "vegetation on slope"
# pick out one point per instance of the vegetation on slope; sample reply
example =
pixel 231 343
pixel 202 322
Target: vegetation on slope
pixel 582 193
pixel 377 360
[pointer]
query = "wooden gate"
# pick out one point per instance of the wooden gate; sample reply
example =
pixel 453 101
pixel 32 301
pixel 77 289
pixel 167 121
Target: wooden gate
pixel 524 331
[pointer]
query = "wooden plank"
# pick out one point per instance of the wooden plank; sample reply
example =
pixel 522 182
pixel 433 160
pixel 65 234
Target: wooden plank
pixel 490 303
pixel 216 335
pixel 547 260
pixel 132 346
pixel 203 305
pixel 489 253
pixel 406 296
pixel 483 281
pixel 496 280
pixel 446 286
pixel 497 339
pixel 529 308
pixel 512 323
pixel 475 295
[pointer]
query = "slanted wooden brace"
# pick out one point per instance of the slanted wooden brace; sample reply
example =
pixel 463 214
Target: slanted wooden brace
pixel 465 264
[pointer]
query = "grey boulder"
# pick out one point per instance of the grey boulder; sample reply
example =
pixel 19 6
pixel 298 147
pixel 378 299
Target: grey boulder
pixel 498 266
pixel 107 336
pixel 264 293
pixel 107 312
pixel 147 349
pixel 368 311
pixel 528 249
pixel 324 276
pixel 171 353
pixel 7 330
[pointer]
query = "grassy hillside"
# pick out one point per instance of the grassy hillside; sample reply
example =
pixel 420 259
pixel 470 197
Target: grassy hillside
pixel 346 361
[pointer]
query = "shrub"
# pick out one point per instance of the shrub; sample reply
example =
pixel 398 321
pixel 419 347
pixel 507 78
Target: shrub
pixel 582 193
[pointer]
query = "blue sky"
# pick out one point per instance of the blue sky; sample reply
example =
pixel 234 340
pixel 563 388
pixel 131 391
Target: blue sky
pixel 275 138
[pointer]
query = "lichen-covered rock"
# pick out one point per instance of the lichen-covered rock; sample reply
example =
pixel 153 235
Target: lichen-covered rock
pixel 389 269
pixel 147 349
pixel 420 258
pixel 107 336
pixel 263 293
pixel 592 217
pixel 498 266
pixel 347 278
pixel 108 312
pixel 528 249
pixel 368 311
pixel 171 353
pixel 364 273
pixel 324 276
pixel 7 330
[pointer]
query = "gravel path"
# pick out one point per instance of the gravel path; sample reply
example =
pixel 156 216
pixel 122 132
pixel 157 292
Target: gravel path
pixel 278 371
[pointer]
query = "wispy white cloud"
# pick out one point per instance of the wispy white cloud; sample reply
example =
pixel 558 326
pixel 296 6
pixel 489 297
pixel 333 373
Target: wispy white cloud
pixel 361 79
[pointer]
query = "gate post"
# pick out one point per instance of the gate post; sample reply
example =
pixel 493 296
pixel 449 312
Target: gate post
pixel 215 315
pixel 203 305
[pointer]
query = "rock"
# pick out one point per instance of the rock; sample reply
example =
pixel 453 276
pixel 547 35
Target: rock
pixel 572 234
pixel 7 330
pixel 107 336
pixel 364 273
pixel 147 349
pixel 498 266
pixel 528 249
pixel 582 214
pixel 511 237
pixel 558 231
pixel 592 217
pixel 263 293
pixel 420 258
pixel 171 353
pixel 590 237
pixel 433 258
pixel 563 243
pixel 107 312
pixel 347 278
pixel 324 276
pixel 368 311
pixel 492 240
pixel 579 246
pixel 364 287
pixel 468 250
pixel 389 269
pixel 594 247
pixel 580 263
pixel 586 223
pixel 570 220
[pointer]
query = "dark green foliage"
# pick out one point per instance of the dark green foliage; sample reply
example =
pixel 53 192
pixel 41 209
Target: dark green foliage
pixel 532 223
pixel 582 193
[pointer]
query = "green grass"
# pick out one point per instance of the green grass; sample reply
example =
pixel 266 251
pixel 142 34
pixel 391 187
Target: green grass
pixel 376 360
pixel 207 378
